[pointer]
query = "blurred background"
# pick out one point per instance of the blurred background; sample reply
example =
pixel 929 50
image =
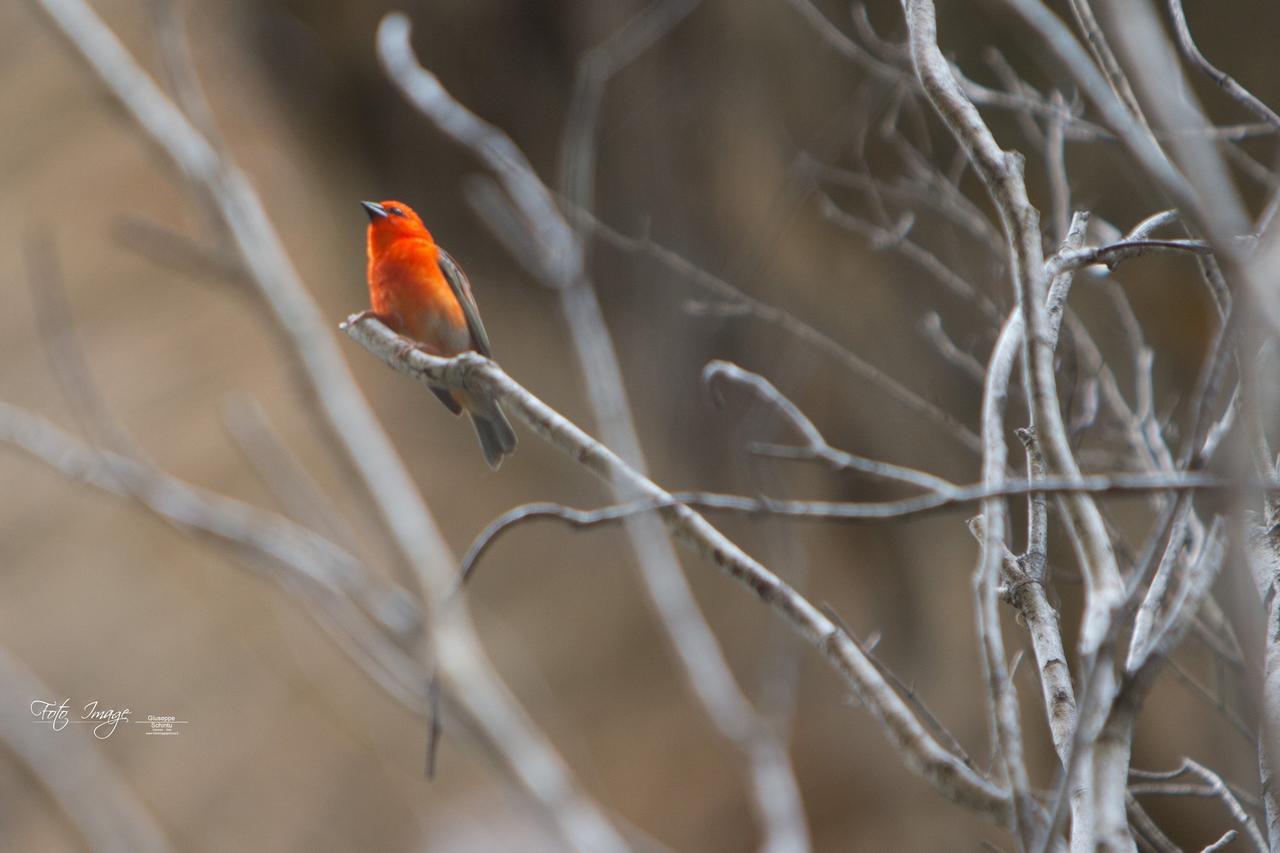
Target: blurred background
pixel 706 145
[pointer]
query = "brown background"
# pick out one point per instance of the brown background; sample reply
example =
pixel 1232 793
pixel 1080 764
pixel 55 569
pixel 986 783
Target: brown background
pixel 289 746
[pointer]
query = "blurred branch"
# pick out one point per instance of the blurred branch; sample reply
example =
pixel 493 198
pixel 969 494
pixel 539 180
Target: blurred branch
pixel 324 576
pixel 883 239
pixel 1215 207
pixel 557 250
pixel 105 810
pixel 949 350
pixel 775 790
pixel 825 344
pixel 921 752
pixel 283 473
pixel 1055 156
pixel 1146 828
pixel 177 67
pixel 1141 142
pixel 595 68
pixel 131 470
pixel 460 657
pixel 1106 59
pixel 924 186
pixel 893 73
pixel 175 251
pixel 62 347
pixel 560 255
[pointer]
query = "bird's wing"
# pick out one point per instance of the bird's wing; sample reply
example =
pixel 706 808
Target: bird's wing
pixel 461 288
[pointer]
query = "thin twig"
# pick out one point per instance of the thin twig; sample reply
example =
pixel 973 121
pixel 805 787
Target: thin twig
pixel 1082 10
pixel 793 325
pixel 1002 700
pixel 956 498
pixel 1221 843
pixel 942 342
pixel 1111 255
pixel 1213 786
pixel 1224 81
pixel 1147 829
pixel 816 447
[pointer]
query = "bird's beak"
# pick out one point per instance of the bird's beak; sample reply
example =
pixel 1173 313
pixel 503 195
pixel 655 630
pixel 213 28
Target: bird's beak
pixel 375 210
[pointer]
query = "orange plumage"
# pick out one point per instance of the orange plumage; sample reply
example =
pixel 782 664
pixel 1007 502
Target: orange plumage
pixel 418 290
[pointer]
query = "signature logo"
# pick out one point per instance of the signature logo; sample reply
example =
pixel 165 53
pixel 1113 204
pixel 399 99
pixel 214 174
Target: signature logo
pixel 105 721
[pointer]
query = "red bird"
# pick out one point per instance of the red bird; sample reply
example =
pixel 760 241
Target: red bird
pixel 419 291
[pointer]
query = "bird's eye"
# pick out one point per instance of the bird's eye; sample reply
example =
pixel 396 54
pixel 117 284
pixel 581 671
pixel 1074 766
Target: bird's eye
pixel 395 211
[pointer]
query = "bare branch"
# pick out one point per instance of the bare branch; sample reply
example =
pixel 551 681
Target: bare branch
pixel 561 257
pixel 920 751
pixel 1003 704
pixel 1147 829
pixel 881 238
pixel 1221 843
pixel 1101 50
pixel 531 757
pixel 850 49
pixel 176 251
pixel 815 444
pixel 954 498
pixel 1111 255
pixel 1213 786
pixel 1135 135
pixel 326 577
pixel 855 364
pixel 942 342
pixel 1224 81
pixel 595 68
pixel 104 809
pixel 927 188
pixel 1002 175
pixel 1056 165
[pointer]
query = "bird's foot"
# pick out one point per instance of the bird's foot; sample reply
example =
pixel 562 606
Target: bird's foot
pixel 405 346
pixel 354 319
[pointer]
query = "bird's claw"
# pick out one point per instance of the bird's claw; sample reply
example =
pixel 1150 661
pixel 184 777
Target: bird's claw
pixel 355 319
pixel 404 347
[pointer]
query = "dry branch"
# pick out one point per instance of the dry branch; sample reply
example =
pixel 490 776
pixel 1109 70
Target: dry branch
pixel 477 686
pixel 920 751
pixel 555 249
pixel 104 809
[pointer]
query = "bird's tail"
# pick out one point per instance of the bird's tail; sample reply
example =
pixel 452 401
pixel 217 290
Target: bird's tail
pixel 497 438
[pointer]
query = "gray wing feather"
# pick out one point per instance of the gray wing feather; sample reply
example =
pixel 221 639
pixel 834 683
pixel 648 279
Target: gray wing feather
pixel 461 288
